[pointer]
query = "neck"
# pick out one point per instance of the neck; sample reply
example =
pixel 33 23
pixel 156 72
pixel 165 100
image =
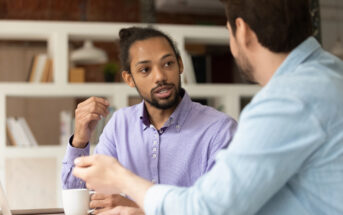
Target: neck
pixel 157 116
pixel 266 64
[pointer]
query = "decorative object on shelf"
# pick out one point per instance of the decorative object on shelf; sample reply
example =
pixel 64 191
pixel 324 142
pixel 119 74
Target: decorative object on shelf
pixel 77 75
pixel 89 54
pixel 315 13
pixel 110 71
pixel 337 48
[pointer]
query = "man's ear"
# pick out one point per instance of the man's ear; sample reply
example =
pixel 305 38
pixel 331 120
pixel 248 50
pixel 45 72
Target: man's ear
pixel 180 65
pixel 244 34
pixel 127 77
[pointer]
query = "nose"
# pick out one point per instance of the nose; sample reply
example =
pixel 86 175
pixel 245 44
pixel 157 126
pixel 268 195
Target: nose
pixel 159 75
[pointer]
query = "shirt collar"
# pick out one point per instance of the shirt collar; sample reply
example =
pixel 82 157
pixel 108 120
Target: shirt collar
pixel 297 56
pixel 177 118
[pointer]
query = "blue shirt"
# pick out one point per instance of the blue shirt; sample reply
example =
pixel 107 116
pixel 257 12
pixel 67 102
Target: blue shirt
pixel 178 154
pixel 287 155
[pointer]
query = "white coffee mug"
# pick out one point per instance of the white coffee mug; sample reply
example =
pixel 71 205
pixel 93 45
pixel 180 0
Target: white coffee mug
pixel 76 201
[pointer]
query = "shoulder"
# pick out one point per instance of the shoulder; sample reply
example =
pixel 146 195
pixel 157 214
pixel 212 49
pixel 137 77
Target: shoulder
pixel 126 113
pixel 210 115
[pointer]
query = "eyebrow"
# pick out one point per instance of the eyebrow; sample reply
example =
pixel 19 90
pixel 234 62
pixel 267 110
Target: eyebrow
pixel 142 62
pixel 165 56
pixel 147 61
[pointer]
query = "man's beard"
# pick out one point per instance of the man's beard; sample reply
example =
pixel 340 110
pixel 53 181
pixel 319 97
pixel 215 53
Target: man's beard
pixel 245 68
pixel 154 101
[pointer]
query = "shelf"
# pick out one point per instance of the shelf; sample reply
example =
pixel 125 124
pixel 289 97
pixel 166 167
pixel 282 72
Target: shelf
pixel 59 37
pixel 38 151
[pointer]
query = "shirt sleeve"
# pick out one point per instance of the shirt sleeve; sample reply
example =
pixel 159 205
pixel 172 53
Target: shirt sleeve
pixel 275 136
pixel 105 146
pixel 224 133
pixel 69 181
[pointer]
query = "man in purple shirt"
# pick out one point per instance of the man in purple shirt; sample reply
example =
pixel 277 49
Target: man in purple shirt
pixel 167 139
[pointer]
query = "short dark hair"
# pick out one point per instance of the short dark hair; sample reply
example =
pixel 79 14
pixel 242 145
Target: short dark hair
pixel 280 25
pixel 130 35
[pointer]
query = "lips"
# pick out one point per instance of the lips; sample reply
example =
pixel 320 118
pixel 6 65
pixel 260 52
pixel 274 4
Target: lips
pixel 163 91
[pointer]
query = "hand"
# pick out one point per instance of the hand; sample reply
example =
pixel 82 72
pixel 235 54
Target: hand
pixel 87 115
pixel 105 175
pixel 102 202
pixel 122 210
pixel 100 172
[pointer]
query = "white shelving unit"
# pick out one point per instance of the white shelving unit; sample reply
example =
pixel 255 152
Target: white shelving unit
pixel 58 35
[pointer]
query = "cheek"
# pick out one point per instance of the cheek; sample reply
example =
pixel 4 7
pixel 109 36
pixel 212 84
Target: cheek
pixel 233 48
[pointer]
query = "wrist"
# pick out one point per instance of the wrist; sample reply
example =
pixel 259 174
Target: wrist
pixel 136 192
pixel 78 144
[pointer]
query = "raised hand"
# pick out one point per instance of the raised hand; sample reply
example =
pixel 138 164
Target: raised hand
pixel 87 115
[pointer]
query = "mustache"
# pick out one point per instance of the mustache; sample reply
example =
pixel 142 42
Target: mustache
pixel 161 85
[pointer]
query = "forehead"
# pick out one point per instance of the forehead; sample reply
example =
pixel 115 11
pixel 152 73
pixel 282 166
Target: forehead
pixel 151 47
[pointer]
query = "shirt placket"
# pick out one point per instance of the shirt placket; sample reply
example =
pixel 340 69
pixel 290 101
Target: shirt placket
pixel 154 155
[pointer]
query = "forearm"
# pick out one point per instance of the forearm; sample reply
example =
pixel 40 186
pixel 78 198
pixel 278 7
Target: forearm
pixel 134 186
pixel 68 179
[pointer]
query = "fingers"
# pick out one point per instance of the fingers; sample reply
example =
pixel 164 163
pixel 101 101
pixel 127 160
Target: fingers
pixel 87 114
pixel 84 161
pixel 95 99
pixel 81 173
pixel 92 108
pixel 101 210
pixel 99 204
pixel 98 196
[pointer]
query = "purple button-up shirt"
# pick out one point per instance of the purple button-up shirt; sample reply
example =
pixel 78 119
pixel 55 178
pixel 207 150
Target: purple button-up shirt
pixel 180 152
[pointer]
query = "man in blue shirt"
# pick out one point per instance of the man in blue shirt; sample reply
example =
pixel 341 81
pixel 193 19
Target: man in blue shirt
pixel 287 155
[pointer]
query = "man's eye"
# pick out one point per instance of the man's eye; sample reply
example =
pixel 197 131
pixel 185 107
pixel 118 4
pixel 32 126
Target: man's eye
pixel 169 63
pixel 144 70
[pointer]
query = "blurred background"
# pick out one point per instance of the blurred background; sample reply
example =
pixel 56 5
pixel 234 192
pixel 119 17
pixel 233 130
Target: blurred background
pixel 56 53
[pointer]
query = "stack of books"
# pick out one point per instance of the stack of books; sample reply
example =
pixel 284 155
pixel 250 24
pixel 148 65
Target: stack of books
pixel 19 132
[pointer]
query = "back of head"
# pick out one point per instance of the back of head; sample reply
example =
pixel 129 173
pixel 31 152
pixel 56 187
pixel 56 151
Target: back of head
pixel 128 36
pixel 280 25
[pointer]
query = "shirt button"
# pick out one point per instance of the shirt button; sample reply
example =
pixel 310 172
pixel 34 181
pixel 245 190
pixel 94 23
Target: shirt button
pixel 153 181
pixel 154 149
pixel 155 142
pixel 177 126
pixel 153 155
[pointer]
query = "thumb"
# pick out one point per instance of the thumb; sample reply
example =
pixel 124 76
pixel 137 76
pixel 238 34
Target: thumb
pixel 81 172
pixel 85 161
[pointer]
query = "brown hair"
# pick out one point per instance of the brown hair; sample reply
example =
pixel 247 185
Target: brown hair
pixel 280 25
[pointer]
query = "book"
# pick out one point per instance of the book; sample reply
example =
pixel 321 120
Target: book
pixel 46 71
pixel 40 69
pixel 10 136
pixel 17 132
pixel 51 73
pixel 28 133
